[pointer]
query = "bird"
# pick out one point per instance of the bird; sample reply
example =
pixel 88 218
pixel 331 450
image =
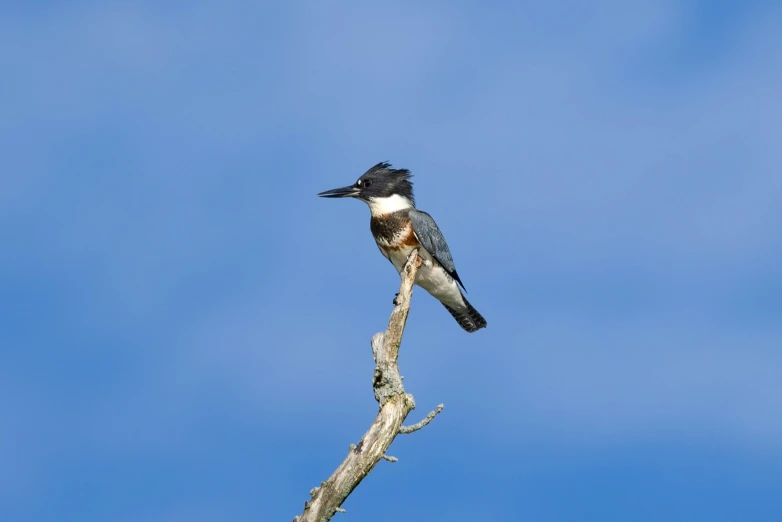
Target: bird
pixel 399 227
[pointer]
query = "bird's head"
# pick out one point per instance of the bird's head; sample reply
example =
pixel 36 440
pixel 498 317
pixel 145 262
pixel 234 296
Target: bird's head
pixel 384 189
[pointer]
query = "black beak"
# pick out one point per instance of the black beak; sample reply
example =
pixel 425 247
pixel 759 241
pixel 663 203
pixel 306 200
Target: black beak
pixel 344 192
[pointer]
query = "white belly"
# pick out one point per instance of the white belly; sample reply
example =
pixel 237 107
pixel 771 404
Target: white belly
pixel 434 279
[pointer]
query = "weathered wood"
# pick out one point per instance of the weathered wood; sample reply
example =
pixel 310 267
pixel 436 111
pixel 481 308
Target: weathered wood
pixel 426 420
pixel 395 405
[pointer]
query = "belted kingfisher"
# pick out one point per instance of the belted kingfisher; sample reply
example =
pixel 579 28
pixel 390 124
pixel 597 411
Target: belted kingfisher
pixel 398 227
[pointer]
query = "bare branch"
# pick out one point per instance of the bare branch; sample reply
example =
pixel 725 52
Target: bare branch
pixel 395 405
pixel 426 420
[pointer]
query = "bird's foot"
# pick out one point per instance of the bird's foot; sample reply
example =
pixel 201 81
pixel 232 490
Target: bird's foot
pixel 423 262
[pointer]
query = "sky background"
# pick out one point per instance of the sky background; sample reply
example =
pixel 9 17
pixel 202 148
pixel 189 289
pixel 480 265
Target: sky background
pixel 185 326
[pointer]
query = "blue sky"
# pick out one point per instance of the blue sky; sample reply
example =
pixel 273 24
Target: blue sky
pixel 186 326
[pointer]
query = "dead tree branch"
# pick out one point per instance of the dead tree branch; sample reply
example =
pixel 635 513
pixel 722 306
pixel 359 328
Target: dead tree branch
pixel 426 420
pixel 395 405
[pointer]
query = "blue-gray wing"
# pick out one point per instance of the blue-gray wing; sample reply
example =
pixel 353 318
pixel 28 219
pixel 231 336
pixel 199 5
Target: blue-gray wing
pixel 430 237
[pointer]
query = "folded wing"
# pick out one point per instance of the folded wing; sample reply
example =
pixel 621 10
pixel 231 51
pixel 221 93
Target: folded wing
pixel 430 237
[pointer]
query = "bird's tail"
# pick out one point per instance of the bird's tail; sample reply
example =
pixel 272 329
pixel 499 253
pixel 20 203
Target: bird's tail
pixel 467 316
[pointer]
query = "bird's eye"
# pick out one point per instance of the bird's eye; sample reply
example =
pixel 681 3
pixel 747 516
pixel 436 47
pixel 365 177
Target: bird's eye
pixel 367 182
